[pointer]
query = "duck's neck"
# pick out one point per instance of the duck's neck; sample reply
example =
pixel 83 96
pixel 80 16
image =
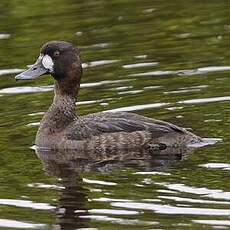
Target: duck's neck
pixel 62 111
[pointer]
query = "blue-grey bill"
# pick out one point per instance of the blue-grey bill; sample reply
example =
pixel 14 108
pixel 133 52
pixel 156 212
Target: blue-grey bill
pixel 33 72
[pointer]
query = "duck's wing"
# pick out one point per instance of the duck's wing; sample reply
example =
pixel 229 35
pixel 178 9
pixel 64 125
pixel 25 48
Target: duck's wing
pixel 102 123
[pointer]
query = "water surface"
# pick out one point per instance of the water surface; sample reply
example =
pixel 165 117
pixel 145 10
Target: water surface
pixel 163 59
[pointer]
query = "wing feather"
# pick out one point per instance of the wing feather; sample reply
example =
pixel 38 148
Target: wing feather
pixel 102 123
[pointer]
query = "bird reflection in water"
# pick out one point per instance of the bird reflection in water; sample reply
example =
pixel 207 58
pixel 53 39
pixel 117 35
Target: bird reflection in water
pixel 67 164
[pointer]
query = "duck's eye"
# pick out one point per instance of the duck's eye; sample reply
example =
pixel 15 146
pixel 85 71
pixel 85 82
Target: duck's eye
pixel 56 53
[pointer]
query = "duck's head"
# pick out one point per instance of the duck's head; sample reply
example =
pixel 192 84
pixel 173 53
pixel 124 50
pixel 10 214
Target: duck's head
pixel 59 59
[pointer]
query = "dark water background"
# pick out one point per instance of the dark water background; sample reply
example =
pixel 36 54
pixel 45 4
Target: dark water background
pixel 163 59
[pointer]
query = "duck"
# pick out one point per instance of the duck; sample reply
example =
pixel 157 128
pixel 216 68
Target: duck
pixel 62 128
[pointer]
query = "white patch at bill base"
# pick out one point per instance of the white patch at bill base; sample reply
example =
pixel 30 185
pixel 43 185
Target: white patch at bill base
pixel 47 62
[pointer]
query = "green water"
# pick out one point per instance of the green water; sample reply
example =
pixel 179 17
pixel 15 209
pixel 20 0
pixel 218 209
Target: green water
pixel 184 48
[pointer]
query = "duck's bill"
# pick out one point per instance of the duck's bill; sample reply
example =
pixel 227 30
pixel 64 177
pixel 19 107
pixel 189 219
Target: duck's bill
pixel 35 71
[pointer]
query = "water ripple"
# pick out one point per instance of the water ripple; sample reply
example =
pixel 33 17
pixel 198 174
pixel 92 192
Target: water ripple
pixel 213 222
pixel 130 92
pixel 169 209
pixel 153 73
pixel 182 91
pixel 123 87
pixel 26 204
pixel 98 45
pixel 26 89
pixel 138 65
pixel 190 200
pixel 5 223
pixel 99 83
pixel 88 181
pixel 98 63
pixel 86 102
pixel 152 173
pixel 188 72
pixel 205 100
pixel 188 189
pixel 166 191
pixel 223 166
pixel 119 220
pixel 138 107
pixel 46 186
pixel 37 89
pixel 175 108
pixel 152 87
pixel 33 124
pixel 212 120
pixel 10 71
pixel 113 211
pixel 4 36
pixel 213 193
pixel 143 56
pixel 204 70
pixel 106 199
pixel 36 114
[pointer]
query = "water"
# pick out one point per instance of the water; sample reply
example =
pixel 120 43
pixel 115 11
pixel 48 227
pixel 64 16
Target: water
pixel 162 59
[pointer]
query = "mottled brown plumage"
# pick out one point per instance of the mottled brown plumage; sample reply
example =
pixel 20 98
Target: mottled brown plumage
pixel 103 132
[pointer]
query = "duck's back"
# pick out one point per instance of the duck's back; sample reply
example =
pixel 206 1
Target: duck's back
pixel 127 130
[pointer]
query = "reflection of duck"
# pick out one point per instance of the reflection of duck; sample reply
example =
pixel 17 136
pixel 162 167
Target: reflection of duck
pixel 92 161
pixel 61 128
pixel 72 201
pixel 73 197
pixel 66 164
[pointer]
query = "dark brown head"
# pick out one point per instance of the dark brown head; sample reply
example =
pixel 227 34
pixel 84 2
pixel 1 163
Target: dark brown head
pixel 61 60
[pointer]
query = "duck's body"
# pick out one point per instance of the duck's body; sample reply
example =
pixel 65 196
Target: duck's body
pixel 61 128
